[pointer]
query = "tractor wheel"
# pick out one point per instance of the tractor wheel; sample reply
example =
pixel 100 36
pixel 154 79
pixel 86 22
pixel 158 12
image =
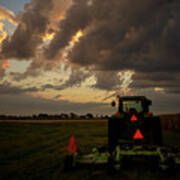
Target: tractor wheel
pixel 168 165
pixel 110 165
pixel 68 163
pixel 153 126
pixel 157 131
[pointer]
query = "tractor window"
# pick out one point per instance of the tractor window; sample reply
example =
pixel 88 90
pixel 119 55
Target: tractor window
pixel 128 105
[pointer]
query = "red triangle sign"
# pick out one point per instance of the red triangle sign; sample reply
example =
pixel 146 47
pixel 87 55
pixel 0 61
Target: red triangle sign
pixel 134 118
pixel 72 146
pixel 138 135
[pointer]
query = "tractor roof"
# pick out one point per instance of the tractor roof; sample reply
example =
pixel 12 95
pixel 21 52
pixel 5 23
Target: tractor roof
pixel 135 98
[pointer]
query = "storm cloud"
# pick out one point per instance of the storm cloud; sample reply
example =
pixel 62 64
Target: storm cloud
pixel 7 88
pixel 137 35
pixel 140 35
pixel 75 79
pixel 28 35
pixel 34 23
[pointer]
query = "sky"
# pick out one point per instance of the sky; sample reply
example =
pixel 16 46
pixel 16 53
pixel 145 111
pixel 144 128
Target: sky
pixel 62 56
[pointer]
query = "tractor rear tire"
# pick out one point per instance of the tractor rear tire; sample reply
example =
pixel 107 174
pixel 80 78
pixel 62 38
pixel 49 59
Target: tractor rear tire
pixel 155 132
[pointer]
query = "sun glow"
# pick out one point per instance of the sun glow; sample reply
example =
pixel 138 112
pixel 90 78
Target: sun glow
pixel 159 89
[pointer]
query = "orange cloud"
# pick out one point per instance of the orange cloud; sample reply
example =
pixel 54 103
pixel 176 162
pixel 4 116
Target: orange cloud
pixel 5 64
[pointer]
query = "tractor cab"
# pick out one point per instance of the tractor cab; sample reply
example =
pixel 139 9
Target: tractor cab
pixel 137 104
pixel 133 122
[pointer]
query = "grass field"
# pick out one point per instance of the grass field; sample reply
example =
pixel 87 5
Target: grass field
pixel 36 151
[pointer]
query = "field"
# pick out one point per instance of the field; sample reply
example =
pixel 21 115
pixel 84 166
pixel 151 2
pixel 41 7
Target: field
pixel 36 151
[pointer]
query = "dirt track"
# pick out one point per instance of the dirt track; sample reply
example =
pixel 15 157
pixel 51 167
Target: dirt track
pixel 51 121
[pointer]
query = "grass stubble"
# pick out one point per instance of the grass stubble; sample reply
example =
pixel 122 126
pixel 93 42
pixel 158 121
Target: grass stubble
pixel 36 151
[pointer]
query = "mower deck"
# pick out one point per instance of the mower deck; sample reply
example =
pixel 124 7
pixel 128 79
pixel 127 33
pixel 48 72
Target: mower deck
pixel 166 157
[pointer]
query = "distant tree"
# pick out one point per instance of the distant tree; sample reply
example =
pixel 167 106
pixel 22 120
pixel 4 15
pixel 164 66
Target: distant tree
pixel 64 116
pixel 43 116
pixel 89 116
pixel 73 115
pixel 82 117
pixel 34 116
pixel 106 116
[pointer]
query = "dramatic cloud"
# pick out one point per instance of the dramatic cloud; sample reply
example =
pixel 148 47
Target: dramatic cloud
pixel 107 80
pixel 144 38
pixel 7 88
pixel 28 35
pixel 167 82
pixel 141 36
pixel 34 25
pixel 75 79
pixel 77 17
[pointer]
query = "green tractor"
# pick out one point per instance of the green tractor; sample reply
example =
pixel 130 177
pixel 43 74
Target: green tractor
pixel 133 133
pixel 134 123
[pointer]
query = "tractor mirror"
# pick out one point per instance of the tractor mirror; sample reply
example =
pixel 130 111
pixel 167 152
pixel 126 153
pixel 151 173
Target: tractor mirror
pixel 113 103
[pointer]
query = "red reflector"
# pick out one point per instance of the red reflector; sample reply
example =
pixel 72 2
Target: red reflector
pixel 118 114
pixel 72 147
pixel 138 135
pixel 134 118
pixel 149 113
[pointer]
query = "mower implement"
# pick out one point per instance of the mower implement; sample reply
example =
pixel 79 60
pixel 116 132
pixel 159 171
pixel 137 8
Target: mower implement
pixel 166 158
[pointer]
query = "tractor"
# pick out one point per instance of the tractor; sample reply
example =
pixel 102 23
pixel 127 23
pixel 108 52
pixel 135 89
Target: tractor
pixel 133 133
pixel 134 123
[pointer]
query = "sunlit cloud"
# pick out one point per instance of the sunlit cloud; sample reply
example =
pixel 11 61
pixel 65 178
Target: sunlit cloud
pixel 3 33
pixel 75 38
pixel 159 89
pixel 126 78
pixel 123 89
pixel 48 37
pixel 6 14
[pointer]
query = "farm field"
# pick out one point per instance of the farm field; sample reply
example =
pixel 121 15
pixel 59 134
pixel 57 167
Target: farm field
pixel 36 151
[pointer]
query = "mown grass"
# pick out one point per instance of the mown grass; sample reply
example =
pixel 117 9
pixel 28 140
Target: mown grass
pixel 36 151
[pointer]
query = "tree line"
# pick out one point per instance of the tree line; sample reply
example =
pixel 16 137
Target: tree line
pixel 45 116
